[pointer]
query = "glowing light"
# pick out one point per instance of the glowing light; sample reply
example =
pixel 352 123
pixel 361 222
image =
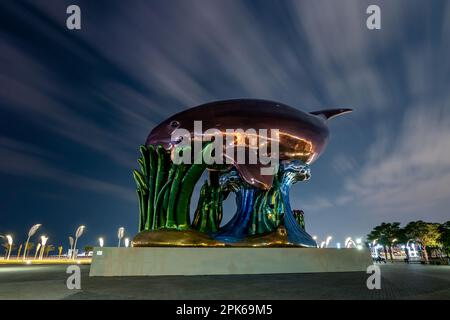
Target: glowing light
pixel 10 242
pixel 338 245
pixel 120 234
pixel 78 234
pixel 44 240
pixel 43 243
pixel 327 241
pixel 31 232
pixel 349 242
pixel 358 241
pixel 101 242
pixel 127 242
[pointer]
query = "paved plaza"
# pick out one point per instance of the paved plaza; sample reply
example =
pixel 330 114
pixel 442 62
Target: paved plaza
pixel 398 281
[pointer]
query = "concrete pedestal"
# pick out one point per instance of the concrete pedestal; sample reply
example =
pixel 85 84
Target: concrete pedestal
pixel 158 261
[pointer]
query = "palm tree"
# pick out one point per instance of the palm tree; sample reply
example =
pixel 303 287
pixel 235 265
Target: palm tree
pixel 48 248
pixel 385 234
pixel 88 249
pixel 30 246
pixel 424 232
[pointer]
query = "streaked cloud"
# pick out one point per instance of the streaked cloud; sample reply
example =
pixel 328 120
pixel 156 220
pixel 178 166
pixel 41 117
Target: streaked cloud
pixel 29 162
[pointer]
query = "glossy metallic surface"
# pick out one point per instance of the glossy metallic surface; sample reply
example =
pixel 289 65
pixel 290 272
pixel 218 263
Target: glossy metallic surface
pixel 293 172
pixel 174 238
pixel 189 238
pixel 302 136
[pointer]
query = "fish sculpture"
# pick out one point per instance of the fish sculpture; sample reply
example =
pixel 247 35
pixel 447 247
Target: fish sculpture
pixel 301 135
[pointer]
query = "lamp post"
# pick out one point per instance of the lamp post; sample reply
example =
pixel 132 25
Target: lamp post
pixel 31 232
pixel 19 251
pixel 37 250
pixel 374 248
pixel 101 242
pixel 43 242
pixel 71 247
pixel 359 243
pixel 120 234
pixel 78 234
pixel 10 242
pixel 327 242
pixel 315 239
pixel 347 240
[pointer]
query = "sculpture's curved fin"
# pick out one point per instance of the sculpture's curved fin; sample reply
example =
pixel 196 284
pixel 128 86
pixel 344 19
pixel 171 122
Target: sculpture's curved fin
pixel 331 113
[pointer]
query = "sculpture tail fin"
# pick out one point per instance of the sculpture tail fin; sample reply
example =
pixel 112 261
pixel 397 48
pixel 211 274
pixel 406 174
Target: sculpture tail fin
pixel 331 113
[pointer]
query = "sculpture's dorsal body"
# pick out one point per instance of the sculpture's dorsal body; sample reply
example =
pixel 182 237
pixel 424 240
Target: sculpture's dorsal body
pixel 302 136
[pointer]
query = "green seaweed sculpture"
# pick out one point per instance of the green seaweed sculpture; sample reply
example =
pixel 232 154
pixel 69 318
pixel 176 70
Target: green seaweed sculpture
pixel 165 189
pixel 209 212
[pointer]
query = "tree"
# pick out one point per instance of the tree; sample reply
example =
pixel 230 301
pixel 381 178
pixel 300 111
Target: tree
pixel 444 237
pixel 48 248
pixel 385 234
pixel 30 247
pixel 87 249
pixel 424 232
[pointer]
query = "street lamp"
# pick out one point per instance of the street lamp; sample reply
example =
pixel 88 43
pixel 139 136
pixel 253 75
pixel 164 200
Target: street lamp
pixel 31 232
pixel 78 234
pixel 328 241
pixel 358 243
pixel 315 239
pixel 127 242
pixel 37 250
pixel 100 242
pixel 349 242
pixel 10 242
pixel 338 245
pixel 322 244
pixel 43 242
pixel 71 247
pixel 120 234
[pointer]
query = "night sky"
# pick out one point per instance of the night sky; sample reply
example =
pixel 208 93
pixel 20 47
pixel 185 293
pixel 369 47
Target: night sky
pixel 75 105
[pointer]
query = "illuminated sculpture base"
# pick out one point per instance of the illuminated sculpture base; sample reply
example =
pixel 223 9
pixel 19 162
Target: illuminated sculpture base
pixel 192 238
pixel 162 261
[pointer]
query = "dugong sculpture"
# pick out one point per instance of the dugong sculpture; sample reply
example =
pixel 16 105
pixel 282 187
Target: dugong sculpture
pixel 302 136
